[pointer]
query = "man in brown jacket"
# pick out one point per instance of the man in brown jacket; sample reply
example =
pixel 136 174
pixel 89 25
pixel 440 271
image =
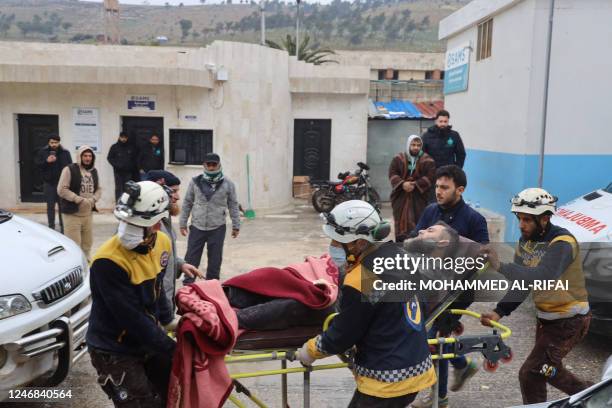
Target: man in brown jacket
pixel 411 175
pixel 79 190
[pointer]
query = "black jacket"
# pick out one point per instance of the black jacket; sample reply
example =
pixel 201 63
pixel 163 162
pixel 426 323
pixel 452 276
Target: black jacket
pixel 151 158
pixel 51 171
pixel 122 156
pixel 444 145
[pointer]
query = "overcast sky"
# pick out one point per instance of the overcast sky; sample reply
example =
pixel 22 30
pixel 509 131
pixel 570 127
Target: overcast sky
pixel 186 2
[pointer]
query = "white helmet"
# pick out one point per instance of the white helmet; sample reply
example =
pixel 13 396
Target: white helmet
pixel 143 204
pixel 353 220
pixel 535 201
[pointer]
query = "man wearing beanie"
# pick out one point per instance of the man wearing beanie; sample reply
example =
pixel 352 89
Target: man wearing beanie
pixel 207 199
pixel 176 265
pixel 79 190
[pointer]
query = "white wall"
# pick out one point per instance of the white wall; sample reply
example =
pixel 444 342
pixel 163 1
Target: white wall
pixel 59 100
pixel 349 117
pixel 252 113
pixel 493 114
pixel 580 80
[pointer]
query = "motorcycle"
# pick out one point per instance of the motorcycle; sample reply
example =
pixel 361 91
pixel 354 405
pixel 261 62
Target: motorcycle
pixel 352 186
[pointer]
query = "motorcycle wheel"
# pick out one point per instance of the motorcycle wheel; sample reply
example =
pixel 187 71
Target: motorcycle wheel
pixel 374 198
pixel 323 201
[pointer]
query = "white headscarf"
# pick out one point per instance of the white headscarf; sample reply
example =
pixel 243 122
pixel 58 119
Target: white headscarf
pixel 413 159
pixel 410 139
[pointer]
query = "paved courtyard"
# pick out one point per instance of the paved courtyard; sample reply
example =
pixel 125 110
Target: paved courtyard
pixel 283 237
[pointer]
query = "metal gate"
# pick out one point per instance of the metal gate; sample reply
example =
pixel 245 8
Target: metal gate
pixel 386 138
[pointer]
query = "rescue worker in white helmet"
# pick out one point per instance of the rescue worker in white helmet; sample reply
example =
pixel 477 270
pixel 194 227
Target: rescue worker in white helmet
pixel 392 362
pixel 545 252
pixel 128 346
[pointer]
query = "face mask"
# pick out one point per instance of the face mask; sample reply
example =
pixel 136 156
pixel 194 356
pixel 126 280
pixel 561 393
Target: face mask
pixel 130 235
pixel 337 255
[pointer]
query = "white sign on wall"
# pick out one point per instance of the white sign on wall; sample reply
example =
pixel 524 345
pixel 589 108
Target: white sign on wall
pixel 141 102
pixel 457 69
pixel 86 127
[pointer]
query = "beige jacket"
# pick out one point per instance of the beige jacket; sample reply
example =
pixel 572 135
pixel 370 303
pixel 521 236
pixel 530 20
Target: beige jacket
pixel 87 198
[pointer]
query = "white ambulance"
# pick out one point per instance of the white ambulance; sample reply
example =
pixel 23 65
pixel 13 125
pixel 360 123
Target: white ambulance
pixel 45 303
pixel 589 219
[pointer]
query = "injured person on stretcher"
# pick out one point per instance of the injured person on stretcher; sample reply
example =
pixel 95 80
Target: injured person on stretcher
pixel 392 360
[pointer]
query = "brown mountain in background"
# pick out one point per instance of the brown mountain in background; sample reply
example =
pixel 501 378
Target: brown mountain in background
pixel 405 25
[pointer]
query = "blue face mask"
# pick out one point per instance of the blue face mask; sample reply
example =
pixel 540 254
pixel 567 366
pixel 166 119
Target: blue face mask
pixel 338 256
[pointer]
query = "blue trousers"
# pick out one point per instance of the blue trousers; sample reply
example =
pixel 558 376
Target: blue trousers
pixel 458 363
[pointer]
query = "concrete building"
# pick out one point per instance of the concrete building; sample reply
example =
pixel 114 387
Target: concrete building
pixel 411 76
pixel 516 111
pixel 236 99
pixel 403 66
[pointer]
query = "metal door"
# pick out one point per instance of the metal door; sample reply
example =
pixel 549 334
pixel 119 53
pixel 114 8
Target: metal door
pixel 386 138
pixel 311 148
pixel 140 129
pixel 34 131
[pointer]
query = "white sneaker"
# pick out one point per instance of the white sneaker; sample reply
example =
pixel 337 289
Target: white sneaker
pixel 460 377
pixel 425 400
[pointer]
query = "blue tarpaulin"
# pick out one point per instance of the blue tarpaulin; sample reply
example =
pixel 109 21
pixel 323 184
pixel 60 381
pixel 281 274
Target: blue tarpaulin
pixel 397 109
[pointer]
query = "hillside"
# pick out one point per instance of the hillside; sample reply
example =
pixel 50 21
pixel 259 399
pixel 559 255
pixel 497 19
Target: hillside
pixel 402 25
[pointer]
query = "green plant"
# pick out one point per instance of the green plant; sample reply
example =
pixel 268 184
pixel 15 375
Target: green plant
pixel 312 55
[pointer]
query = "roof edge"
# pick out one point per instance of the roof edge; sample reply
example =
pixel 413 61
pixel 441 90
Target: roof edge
pixel 470 15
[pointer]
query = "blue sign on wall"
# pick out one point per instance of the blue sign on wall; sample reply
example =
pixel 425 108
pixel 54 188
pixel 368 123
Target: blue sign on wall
pixel 141 102
pixel 456 69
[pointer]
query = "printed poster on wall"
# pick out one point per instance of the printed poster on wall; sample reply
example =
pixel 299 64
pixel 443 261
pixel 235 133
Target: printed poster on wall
pixel 86 127
pixel 457 69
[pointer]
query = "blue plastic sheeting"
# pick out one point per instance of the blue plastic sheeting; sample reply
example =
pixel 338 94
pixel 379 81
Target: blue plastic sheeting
pixel 397 109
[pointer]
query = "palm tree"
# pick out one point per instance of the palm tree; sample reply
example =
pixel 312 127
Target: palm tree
pixel 315 56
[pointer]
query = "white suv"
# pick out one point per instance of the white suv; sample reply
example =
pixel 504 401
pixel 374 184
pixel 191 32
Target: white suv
pixel 45 303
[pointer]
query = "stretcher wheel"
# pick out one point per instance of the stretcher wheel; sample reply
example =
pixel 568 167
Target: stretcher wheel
pixel 490 366
pixel 508 357
pixel 458 330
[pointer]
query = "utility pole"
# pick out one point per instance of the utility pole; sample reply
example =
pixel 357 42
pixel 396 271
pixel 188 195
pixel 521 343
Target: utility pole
pixel 111 21
pixel 297 32
pixel 262 10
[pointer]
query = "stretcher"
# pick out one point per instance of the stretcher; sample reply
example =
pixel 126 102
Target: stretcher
pixel 281 345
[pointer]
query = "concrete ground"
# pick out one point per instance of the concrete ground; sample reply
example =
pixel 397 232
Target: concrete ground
pixel 277 239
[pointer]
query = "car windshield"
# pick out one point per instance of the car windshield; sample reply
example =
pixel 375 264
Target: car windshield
pixel 5 216
pixel 608 189
pixel 601 398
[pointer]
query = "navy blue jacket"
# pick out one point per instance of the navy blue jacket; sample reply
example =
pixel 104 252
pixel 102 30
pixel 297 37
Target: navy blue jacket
pixel 468 222
pixel 444 146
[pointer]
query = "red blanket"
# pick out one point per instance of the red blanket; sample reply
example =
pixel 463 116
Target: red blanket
pixel 206 333
pixel 313 282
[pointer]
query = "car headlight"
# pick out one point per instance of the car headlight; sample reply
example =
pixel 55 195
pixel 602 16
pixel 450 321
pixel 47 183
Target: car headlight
pixel 12 305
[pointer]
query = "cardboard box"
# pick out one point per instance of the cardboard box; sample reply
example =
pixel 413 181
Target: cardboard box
pixel 301 187
pixel 301 179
